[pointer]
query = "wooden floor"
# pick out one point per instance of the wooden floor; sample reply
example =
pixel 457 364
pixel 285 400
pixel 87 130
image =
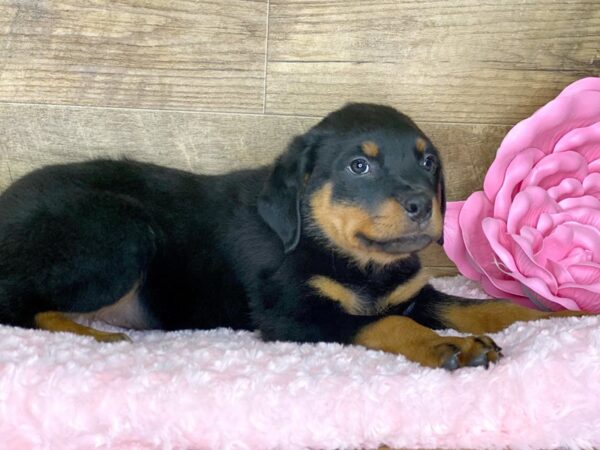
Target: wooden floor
pixel 210 85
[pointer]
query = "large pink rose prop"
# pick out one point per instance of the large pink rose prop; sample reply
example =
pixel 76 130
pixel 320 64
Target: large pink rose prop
pixel 532 234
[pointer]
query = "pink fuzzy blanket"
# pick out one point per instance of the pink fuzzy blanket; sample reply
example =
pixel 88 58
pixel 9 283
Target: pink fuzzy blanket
pixel 225 390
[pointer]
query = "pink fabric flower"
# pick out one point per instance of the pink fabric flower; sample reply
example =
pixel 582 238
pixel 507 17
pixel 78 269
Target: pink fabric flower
pixel 532 234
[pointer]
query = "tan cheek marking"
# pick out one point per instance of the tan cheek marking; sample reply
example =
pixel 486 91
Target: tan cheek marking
pixel 337 220
pixel 341 223
pixel 337 292
pixel 405 291
pixel 370 148
pixel 436 221
pixel 421 145
pixel 391 221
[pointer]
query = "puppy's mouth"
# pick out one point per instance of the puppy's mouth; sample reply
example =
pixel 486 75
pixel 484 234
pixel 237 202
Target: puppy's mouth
pixel 401 245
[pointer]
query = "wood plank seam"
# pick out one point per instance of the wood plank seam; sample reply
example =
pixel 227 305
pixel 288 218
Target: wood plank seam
pixel 266 58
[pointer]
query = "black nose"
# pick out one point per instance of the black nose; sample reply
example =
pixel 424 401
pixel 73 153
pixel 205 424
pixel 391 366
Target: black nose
pixel 418 207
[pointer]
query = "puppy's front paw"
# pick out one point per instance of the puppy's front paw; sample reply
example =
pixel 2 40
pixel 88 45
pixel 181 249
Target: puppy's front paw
pixel 471 351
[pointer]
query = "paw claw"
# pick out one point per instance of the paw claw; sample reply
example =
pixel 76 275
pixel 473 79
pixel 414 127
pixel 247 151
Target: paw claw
pixel 480 360
pixel 452 363
pixel 470 351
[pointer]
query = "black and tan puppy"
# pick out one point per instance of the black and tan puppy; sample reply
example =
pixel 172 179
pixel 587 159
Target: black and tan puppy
pixel 320 246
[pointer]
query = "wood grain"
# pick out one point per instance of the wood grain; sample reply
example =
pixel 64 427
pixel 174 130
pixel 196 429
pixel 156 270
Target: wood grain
pixel 448 60
pixel 36 135
pixel 465 70
pixel 181 54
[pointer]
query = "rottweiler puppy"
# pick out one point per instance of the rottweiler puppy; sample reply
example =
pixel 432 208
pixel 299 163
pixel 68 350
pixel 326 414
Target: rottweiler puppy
pixel 321 246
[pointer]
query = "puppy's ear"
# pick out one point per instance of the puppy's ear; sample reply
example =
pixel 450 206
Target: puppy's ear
pixel 441 194
pixel 279 202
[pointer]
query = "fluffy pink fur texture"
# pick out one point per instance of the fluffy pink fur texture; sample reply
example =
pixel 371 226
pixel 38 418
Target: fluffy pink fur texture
pixel 224 390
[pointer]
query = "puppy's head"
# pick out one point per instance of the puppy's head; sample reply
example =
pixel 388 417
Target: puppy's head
pixel 365 180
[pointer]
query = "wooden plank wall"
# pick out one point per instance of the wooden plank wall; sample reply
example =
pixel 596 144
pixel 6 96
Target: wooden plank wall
pixel 209 85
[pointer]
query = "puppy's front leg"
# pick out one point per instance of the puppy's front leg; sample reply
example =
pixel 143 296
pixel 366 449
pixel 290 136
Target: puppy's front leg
pixel 402 335
pixel 489 316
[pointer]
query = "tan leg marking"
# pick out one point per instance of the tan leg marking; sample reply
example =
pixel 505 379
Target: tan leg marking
pixel 493 316
pixel 403 336
pixel 58 322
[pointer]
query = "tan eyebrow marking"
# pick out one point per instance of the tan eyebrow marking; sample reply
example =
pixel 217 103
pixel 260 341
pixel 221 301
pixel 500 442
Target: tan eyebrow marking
pixel 370 148
pixel 421 144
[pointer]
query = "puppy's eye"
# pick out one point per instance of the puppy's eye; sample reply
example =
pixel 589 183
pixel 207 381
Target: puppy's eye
pixel 359 166
pixel 429 162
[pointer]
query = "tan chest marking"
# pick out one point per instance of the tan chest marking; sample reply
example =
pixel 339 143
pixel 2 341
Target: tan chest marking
pixel 332 290
pixel 357 305
pixel 405 291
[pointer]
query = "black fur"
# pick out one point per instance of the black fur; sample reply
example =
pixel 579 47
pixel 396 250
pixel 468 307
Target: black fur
pixel 234 250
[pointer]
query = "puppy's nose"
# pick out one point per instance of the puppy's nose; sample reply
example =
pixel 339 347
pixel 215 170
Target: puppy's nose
pixel 418 207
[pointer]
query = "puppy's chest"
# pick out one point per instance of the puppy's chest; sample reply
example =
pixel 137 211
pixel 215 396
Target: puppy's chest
pixel 362 295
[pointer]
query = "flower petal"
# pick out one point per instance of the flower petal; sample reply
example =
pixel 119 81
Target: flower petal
pixel 568 187
pixel 558 243
pixel 586 237
pixel 594 166
pixel 529 267
pixel 561 274
pixel 527 207
pixel 591 184
pixel 552 169
pixel 584 141
pixel 585 298
pixel 454 244
pixel 510 285
pixel 543 294
pixel 571 109
pixel 499 271
pixel 584 84
pixel 534 230
pixel 583 215
pixel 511 177
pixel 585 201
pixel 587 273
pixel 476 208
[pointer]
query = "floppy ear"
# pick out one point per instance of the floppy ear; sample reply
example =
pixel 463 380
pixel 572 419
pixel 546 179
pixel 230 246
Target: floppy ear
pixel 441 194
pixel 279 202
